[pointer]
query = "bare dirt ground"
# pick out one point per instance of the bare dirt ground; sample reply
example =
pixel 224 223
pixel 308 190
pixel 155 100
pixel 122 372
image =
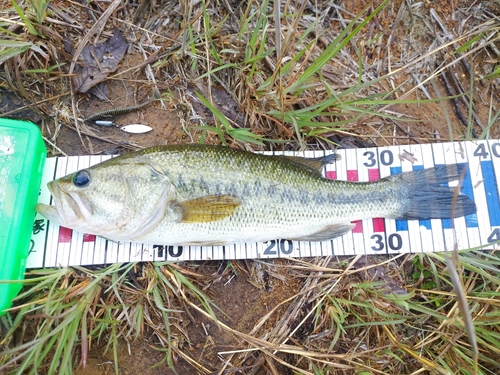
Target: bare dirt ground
pixel 410 30
pixel 243 303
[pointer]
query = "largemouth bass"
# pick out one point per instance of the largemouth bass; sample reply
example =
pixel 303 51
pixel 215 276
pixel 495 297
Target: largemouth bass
pixel 212 195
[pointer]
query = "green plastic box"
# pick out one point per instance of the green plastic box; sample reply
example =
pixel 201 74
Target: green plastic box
pixel 22 157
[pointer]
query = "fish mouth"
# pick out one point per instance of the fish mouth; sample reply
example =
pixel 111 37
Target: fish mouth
pixel 69 207
pixel 49 212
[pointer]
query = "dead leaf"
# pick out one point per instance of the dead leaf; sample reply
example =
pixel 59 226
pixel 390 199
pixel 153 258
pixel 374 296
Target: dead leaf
pixel 98 61
pixel 407 156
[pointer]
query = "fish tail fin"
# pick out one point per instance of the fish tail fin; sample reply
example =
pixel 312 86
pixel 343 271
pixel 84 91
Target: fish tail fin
pixel 427 198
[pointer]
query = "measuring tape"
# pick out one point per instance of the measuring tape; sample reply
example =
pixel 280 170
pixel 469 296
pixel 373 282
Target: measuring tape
pixel 54 246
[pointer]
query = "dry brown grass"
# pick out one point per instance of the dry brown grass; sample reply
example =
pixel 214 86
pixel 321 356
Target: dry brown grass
pixel 296 96
pixel 382 84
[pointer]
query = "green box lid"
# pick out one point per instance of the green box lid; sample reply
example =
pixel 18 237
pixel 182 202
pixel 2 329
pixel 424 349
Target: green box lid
pixel 22 157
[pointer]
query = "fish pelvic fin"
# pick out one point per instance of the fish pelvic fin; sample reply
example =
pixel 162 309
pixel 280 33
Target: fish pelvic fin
pixel 427 198
pixel 207 209
pixel 327 233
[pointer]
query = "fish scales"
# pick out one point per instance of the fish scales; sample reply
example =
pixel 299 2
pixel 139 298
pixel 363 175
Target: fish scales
pixel 196 194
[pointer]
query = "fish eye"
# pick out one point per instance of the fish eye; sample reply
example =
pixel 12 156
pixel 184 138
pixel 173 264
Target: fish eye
pixel 81 178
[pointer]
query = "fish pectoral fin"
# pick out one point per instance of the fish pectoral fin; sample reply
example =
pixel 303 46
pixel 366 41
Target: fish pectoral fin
pixel 207 209
pixel 327 233
pixel 313 163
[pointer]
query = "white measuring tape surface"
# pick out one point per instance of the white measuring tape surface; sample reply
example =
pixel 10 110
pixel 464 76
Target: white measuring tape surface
pixel 54 246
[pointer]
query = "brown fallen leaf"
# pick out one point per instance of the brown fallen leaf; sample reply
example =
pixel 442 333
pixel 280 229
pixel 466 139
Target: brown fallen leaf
pixel 96 62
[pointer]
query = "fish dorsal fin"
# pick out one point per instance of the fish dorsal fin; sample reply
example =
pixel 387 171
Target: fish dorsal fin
pixel 207 209
pixel 313 163
pixel 327 233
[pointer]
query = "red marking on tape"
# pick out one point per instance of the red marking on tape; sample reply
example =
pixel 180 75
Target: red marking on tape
pixel 373 174
pixel 378 225
pixel 65 234
pixel 358 226
pixel 332 175
pixel 352 175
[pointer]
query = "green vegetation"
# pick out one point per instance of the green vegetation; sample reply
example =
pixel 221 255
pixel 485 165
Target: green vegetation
pixel 325 73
